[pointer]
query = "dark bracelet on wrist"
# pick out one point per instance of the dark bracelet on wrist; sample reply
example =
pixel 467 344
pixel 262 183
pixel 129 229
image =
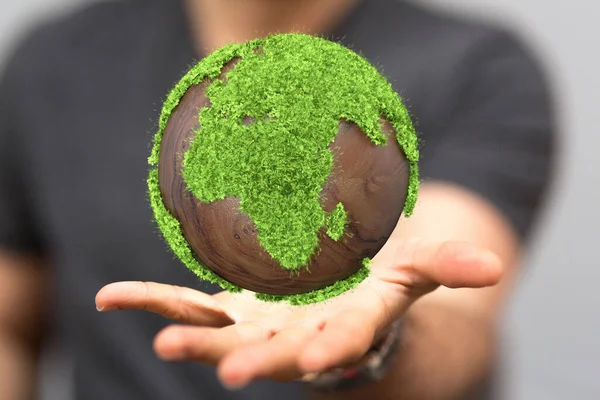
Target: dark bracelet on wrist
pixel 373 367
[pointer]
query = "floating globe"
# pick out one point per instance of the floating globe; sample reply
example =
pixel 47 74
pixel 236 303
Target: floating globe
pixel 281 166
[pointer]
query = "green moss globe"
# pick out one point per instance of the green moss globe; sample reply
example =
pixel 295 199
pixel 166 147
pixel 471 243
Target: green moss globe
pixel 281 166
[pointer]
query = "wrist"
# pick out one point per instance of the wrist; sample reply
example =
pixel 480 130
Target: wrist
pixel 371 368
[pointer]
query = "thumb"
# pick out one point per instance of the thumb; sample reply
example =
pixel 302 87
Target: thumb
pixel 454 264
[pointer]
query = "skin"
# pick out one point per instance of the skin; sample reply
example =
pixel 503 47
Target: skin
pixel 447 270
pixel 23 291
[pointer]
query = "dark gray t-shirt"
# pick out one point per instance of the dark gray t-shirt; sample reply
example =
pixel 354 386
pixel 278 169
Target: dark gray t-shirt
pixel 79 103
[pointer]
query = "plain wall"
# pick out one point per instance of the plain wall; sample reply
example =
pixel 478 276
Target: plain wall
pixel 552 346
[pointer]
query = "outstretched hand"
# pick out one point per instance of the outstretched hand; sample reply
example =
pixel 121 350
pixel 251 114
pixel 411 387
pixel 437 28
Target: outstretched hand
pixel 249 339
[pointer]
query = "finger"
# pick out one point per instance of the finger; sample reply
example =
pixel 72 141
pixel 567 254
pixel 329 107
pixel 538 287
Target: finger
pixel 458 264
pixel 343 342
pixel 205 345
pixel 174 302
pixel 275 359
pixel 454 264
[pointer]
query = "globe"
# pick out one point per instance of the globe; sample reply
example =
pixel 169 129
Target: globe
pixel 281 166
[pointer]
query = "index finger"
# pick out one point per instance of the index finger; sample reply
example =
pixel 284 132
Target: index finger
pixel 177 303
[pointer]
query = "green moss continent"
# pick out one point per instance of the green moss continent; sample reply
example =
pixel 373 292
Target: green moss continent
pixel 265 140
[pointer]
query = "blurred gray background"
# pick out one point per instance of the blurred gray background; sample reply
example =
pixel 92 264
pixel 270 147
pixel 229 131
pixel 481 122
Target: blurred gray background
pixel 552 331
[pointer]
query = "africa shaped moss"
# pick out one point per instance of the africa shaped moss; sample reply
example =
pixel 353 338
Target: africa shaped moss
pixel 294 89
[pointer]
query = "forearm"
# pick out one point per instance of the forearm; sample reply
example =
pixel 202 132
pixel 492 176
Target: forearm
pixel 444 352
pixel 23 288
pixel 449 336
pixel 18 368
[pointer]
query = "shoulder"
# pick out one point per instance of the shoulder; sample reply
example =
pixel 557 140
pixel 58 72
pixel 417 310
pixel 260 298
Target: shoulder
pixel 403 32
pixel 105 26
pixel 479 57
pixel 451 35
pixel 484 105
pixel 85 49
pixel 436 60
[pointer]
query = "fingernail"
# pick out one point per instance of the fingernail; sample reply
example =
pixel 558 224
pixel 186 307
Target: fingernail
pixel 100 309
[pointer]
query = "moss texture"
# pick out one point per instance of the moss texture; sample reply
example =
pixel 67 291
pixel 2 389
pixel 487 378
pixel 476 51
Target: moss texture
pixel 325 293
pixel 295 89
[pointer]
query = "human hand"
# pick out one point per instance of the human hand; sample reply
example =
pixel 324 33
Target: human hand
pixel 249 339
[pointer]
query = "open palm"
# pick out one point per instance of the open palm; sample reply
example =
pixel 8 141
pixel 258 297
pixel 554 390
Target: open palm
pixel 249 339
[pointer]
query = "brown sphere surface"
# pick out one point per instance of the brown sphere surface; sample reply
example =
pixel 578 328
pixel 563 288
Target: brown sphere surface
pixel 370 181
